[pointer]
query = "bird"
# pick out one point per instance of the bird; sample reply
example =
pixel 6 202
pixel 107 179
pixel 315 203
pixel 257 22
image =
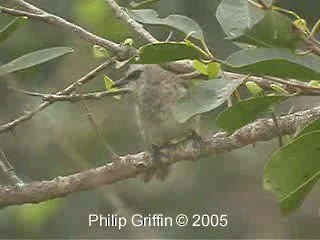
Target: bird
pixel 156 92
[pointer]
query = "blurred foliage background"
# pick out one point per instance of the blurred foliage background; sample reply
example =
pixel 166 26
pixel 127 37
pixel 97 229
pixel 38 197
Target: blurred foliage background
pixel 61 141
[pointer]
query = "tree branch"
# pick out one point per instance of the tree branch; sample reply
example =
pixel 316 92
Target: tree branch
pixel 265 82
pixel 136 27
pixel 68 90
pixel 31 8
pixel 75 97
pixel 130 166
pixel 40 15
pixel 46 17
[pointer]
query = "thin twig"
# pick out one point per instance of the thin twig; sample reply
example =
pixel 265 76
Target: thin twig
pixel 311 42
pixel 68 90
pixel 75 97
pixel 95 127
pixel 292 86
pixel 9 171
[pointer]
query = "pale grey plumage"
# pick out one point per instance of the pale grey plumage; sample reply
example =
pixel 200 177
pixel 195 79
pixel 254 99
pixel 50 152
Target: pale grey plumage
pixel 156 94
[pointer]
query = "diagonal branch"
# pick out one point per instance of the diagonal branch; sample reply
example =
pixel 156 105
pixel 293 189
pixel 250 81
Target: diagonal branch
pixel 8 171
pixel 46 17
pixel 31 8
pixel 136 27
pixel 68 90
pixel 130 166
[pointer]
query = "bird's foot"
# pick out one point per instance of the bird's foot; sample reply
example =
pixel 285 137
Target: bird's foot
pixel 161 170
pixel 197 141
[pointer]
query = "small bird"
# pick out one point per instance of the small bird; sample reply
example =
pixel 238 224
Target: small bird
pixel 156 93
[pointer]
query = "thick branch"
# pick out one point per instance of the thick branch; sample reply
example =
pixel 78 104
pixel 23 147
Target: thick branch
pixel 130 166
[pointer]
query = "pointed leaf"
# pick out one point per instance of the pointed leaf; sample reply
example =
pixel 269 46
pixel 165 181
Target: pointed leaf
pixel 246 111
pixel 34 58
pixel 274 30
pixel 235 17
pixel 163 52
pixel 204 97
pixel 276 62
pixel 109 84
pixel 313 126
pixel 293 170
pixel 182 23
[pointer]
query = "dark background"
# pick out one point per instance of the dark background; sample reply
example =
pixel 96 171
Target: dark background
pixel 60 141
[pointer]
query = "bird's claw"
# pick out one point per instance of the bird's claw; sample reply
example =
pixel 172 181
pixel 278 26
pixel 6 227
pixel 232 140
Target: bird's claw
pixel 161 170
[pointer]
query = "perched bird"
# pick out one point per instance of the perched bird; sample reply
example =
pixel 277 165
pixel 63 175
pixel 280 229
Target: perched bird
pixel 156 93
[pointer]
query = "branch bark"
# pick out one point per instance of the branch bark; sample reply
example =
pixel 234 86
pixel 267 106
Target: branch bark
pixel 129 166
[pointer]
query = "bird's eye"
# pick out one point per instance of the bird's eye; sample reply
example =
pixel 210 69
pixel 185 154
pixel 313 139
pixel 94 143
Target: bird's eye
pixel 134 75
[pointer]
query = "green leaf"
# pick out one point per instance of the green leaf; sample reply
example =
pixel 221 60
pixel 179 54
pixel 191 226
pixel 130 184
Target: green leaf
pixel 156 53
pixel 276 62
pixel 109 85
pixel 100 52
pixel 128 42
pixel 274 30
pixel 314 83
pixel 246 111
pixel 254 88
pixel 313 126
pixel 204 96
pixel 182 23
pixel 34 58
pixel 293 170
pixel 279 89
pixel 213 69
pixel 11 27
pixel 235 17
pixel 200 67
